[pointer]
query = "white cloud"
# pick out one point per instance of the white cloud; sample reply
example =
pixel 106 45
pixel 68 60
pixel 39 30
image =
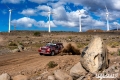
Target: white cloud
pixel 44 13
pixel 60 13
pixel 71 19
pixel 116 4
pixel 74 15
pixel 45 24
pixel 24 22
pixel 28 22
pixel 38 1
pixel 29 12
pixel 65 23
pixel 113 15
pixel 116 23
pixel 43 10
pixel 43 7
pixel 58 4
pixel 12 1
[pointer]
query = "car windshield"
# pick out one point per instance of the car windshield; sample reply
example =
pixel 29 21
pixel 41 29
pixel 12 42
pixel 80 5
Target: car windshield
pixel 50 44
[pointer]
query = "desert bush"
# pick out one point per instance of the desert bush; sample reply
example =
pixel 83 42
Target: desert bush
pixel 12 44
pixel 71 50
pixel 37 34
pixel 19 37
pixel 104 39
pixel 70 37
pixel 52 64
pixel 113 38
pixel 20 43
pixel 117 37
pixel 87 39
pixel 114 44
pixel 12 47
pixel 81 45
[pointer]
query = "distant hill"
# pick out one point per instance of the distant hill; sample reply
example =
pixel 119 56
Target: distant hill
pixel 115 29
pixel 95 30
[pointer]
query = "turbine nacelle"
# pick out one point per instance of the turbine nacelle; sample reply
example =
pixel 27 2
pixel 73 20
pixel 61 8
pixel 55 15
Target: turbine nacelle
pixel 107 13
pixel 79 12
pixel 10 10
pixel 49 12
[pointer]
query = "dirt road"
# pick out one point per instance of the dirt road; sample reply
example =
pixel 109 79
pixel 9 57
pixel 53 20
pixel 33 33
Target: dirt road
pixel 30 63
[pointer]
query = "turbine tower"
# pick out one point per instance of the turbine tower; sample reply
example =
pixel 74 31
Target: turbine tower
pixel 107 18
pixel 49 13
pixel 10 11
pixel 80 29
pixel 9 19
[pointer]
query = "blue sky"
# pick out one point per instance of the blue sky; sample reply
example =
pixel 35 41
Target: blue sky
pixel 33 14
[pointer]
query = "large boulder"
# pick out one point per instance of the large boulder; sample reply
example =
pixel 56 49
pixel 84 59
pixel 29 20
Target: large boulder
pixel 20 77
pixel 77 70
pixel 60 75
pixel 4 76
pixel 95 57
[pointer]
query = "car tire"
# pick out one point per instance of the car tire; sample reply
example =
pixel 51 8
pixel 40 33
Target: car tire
pixel 41 54
pixel 52 53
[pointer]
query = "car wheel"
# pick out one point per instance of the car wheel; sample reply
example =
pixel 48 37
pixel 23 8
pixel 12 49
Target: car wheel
pixel 52 53
pixel 41 54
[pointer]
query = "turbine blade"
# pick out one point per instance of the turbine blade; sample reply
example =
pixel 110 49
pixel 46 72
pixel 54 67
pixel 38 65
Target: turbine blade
pixel 68 8
pixel 106 8
pixel 7 6
pixel 13 9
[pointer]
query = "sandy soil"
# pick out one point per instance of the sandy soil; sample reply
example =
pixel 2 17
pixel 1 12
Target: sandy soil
pixel 31 63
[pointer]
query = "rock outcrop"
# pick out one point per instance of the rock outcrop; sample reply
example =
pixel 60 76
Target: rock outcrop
pixel 77 70
pixel 95 57
pixel 4 76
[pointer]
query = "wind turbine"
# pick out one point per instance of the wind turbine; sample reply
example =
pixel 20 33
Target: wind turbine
pixel 107 18
pixel 80 25
pixel 10 10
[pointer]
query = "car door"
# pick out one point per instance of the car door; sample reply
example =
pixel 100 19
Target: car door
pixel 56 49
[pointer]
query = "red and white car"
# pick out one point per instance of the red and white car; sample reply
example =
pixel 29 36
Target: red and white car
pixel 51 49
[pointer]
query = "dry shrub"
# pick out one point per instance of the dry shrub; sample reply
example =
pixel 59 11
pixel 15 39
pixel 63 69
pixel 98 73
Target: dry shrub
pixel 52 64
pixel 70 49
